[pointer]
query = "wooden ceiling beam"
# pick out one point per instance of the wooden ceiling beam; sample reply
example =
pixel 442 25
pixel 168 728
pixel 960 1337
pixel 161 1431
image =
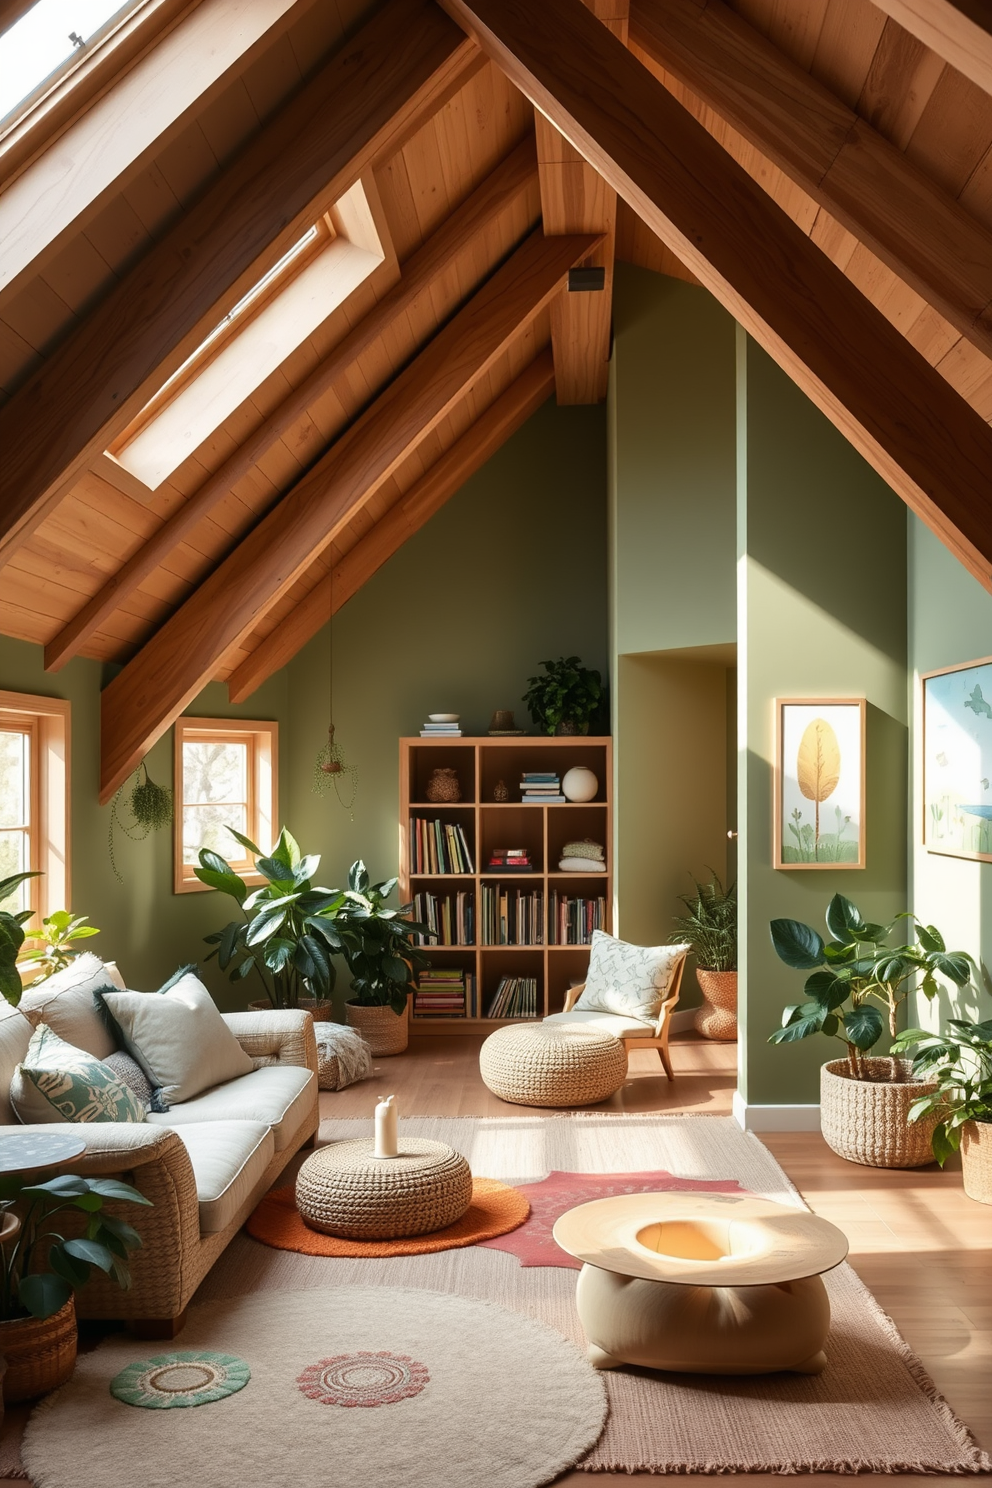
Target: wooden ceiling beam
pixel 174 665
pixel 871 187
pixel 437 485
pixel 513 177
pixel 960 31
pixel 904 418
pixel 313 150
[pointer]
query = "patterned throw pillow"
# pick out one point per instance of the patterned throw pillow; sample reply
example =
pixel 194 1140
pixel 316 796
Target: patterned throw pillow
pixel 130 1073
pixel 631 981
pixel 55 1082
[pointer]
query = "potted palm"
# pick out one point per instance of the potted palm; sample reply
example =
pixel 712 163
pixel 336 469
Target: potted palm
pixel 566 698
pixel 960 1106
pixel 377 947
pixel 709 926
pixel 856 986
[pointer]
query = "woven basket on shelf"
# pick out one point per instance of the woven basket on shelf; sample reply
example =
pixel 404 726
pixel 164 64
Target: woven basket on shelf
pixel 384 1031
pixel 976 1160
pixel 40 1353
pixel 553 1064
pixel 867 1121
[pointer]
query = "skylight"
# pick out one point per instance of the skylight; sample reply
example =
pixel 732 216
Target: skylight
pixel 47 40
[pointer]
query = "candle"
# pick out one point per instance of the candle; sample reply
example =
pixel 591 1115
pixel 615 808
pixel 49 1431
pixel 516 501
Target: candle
pixel 386 1128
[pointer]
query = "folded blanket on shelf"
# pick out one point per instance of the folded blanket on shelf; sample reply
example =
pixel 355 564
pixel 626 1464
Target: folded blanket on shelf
pixel 585 848
pixel 581 865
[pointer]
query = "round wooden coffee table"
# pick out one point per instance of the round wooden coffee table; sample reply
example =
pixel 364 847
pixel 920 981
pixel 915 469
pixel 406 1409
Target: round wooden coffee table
pixel 702 1283
pixel 343 1190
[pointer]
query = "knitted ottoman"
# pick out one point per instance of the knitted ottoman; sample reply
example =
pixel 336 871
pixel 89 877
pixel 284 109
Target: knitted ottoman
pixel 553 1064
pixel 343 1056
pixel 343 1190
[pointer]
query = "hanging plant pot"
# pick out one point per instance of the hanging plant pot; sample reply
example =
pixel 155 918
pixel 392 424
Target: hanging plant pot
pixel 867 1121
pixel 384 1031
pixel 976 1160
pixel 717 1017
pixel 40 1353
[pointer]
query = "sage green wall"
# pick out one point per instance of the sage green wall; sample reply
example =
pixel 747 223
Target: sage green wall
pixel 816 527
pixel 950 621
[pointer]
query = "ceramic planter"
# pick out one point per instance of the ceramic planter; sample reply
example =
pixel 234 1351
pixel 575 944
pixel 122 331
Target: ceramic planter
pixel 717 1017
pixel 866 1121
pixel 380 1027
pixel 976 1160
pixel 40 1353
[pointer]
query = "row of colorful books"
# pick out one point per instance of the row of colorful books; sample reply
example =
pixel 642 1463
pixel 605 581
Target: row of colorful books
pixel 451 918
pixel 439 847
pixel 445 992
pixel 571 921
pixel 515 997
pixel 541 786
pixel 511 916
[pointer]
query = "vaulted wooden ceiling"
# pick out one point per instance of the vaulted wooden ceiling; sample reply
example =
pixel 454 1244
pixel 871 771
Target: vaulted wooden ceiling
pixel 821 166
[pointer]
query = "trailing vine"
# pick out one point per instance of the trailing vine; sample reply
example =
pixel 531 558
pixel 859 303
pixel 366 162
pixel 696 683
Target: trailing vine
pixel 150 806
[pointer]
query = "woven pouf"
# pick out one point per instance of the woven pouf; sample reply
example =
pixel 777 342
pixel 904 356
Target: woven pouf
pixel 553 1064
pixel 343 1190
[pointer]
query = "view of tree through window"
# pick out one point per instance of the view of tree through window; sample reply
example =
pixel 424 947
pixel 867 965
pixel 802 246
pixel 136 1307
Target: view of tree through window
pixel 15 811
pixel 215 796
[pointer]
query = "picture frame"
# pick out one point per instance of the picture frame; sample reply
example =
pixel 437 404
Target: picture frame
pixel 957 761
pixel 819 784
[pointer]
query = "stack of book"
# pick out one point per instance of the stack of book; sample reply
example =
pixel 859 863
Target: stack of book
pixel 511 917
pixel 441 731
pixel 511 860
pixel 540 786
pixel 515 997
pixel 445 992
pixel 438 847
pixel 571 921
pixel 451 918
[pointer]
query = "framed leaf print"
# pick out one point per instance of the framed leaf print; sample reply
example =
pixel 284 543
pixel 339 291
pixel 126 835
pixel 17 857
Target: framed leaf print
pixel 957 761
pixel 819 783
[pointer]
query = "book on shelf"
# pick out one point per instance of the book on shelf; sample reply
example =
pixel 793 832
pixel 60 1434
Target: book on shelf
pixel 515 997
pixel 572 919
pixel 451 918
pixel 512 916
pixel 539 776
pixel 439 847
pixel 445 992
pixel 440 731
pixel 538 800
pixel 510 859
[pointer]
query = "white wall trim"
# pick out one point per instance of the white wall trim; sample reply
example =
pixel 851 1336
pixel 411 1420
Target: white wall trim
pixel 682 1020
pixel 775 1118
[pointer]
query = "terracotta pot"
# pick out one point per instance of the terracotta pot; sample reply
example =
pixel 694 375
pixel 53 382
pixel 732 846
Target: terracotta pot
pixel 866 1121
pixel 717 1017
pixel 976 1160
pixel 380 1027
pixel 40 1354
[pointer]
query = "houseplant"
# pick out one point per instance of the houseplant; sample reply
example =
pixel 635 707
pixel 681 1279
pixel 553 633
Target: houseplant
pixel 856 986
pixel 40 1269
pixel 12 938
pixel 961 1060
pixel 709 926
pixel 377 947
pixel 566 699
pixel 289 928
pixel 53 947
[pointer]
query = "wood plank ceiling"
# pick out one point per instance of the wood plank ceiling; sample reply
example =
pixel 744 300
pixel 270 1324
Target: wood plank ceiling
pixel 846 115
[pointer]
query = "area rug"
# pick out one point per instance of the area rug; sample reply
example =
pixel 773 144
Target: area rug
pixel 463 1392
pixel 495 1208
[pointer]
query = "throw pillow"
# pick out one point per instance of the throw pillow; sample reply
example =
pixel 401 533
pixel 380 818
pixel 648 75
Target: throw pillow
pixel 178 1037
pixel 55 1082
pixel 631 981
pixel 129 1071
pixel 65 1002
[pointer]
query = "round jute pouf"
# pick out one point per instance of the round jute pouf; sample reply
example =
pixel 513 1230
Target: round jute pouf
pixel 553 1064
pixel 362 1387
pixel 343 1190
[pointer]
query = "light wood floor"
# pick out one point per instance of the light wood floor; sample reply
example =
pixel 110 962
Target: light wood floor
pixel 923 1248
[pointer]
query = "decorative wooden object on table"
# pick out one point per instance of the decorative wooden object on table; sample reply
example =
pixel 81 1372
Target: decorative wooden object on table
pixel 486 825
pixel 345 1190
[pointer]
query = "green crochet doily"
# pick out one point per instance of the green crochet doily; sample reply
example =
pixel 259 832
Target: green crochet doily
pixel 182 1378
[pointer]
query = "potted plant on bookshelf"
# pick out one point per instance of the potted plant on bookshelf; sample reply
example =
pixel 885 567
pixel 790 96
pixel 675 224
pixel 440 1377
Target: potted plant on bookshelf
pixel 566 698
pixel 856 985
pixel 377 946
pixel 709 926
pixel 961 1103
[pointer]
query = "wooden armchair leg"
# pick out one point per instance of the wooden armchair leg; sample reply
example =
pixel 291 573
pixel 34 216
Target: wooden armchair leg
pixel 665 1060
pixel 167 1327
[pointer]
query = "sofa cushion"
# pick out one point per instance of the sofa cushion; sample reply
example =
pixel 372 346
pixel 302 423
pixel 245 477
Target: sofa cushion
pixel 65 1002
pixel 15 1035
pixel 55 1082
pixel 278 1095
pixel 620 1027
pixel 228 1159
pixel 178 1037
pixel 631 981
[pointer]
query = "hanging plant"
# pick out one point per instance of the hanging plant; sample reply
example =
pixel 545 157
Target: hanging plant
pixel 150 808
pixel 331 773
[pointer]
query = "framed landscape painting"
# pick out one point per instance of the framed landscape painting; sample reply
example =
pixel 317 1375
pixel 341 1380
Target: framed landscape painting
pixel 819 783
pixel 957 761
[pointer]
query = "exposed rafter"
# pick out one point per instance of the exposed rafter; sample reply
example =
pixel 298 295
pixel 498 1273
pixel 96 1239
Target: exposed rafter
pixel 437 485
pixel 155 686
pixel 305 158
pixel 916 431
pixel 960 31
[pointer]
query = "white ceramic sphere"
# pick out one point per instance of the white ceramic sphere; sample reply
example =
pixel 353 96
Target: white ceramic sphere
pixel 580 784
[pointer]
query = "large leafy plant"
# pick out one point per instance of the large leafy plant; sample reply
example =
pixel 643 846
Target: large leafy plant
pixel 961 1060
pixel 377 942
pixel 569 693
pixel 709 925
pixel 858 980
pixel 39 1268
pixel 12 938
pixel 289 929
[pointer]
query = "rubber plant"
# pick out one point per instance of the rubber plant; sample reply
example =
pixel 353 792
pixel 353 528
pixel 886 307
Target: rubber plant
pixel 377 944
pixel 857 980
pixel 567 698
pixel 961 1060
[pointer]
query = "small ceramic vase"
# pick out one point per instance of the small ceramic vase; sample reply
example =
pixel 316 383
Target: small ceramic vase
pixel 501 791
pixel 502 721
pixel 579 784
pixel 443 785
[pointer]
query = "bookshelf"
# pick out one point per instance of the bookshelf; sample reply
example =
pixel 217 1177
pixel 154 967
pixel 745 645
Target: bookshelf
pixel 543 829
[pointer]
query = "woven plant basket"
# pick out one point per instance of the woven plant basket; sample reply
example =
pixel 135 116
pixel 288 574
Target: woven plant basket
pixel 40 1354
pixel 866 1121
pixel 380 1027
pixel 976 1160
pixel 717 1018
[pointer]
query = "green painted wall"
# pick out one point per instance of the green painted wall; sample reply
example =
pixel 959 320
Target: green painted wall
pixel 950 621
pixel 817 527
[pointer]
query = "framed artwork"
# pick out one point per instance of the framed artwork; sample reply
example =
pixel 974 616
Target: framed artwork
pixel 957 761
pixel 819 797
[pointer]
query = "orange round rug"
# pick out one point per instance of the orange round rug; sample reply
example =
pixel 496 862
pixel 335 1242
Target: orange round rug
pixel 495 1210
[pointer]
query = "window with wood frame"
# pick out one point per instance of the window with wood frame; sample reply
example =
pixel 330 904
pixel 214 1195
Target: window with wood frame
pixel 34 801
pixel 226 773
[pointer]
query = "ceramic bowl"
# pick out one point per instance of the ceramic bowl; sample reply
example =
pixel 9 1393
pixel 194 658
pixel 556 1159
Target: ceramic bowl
pixel 444 717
